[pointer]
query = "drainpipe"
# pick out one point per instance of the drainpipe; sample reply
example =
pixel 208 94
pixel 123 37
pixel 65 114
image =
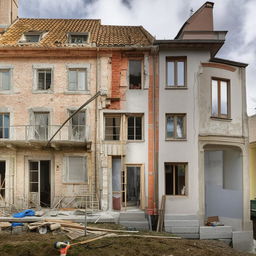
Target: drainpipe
pixel 96 189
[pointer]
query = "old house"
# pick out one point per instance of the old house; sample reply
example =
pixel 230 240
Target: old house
pixel 172 121
pixel 203 133
pixel 48 69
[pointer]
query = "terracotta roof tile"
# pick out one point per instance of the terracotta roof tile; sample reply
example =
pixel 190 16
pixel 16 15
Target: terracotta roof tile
pixel 56 31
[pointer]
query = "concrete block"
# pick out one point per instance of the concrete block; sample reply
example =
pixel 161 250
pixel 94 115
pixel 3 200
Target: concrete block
pixel 180 217
pixel 139 225
pixel 242 240
pixel 182 223
pixel 189 236
pixel 226 241
pixel 216 232
pixel 184 230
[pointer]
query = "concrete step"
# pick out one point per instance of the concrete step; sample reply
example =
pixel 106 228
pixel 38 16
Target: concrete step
pixel 138 225
pixel 129 216
pixel 189 236
pixel 182 230
pixel 181 223
pixel 219 232
pixel 180 217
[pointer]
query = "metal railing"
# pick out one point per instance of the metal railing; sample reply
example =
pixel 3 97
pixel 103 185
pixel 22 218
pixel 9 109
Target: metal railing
pixel 43 133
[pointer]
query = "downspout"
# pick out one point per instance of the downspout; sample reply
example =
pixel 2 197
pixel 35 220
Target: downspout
pixel 155 159
pixel 96 190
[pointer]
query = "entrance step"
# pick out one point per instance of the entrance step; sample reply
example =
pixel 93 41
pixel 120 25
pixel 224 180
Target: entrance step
pixel 221 232
pixel 134 219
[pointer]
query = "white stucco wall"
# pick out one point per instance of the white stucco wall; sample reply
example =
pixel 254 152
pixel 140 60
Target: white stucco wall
pixel 181 101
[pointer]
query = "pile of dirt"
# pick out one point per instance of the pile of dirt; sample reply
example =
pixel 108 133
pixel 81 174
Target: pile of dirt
pixel 34 244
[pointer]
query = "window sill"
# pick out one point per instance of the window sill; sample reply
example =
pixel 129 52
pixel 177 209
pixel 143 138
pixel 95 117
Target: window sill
pixel 225 119
pixel 75 183
pixel 42 92
pixel 176 87
pixel 77 92
pixel 177 196
pixel 6 92
pixel 176 139
pixel 135 141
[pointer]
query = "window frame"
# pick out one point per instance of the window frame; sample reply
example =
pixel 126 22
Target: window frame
pixel 65 179
pixel 86 79
pixel 38 70
pixel 142 73
pixel 70 135
pixel 175 115
pixel 31 33
pixel 3 127
pixel 219 115
pixel 2 69
pixel 176 59
pixel 106 115
pixel 70 34
pixel 174 182
pixel 142 127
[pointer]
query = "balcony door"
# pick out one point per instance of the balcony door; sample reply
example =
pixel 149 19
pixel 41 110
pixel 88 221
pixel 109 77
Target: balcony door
pixel 41 123
pixel 39 183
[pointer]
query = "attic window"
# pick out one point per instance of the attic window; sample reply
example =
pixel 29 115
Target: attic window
pixel 78 38
pixel 31 37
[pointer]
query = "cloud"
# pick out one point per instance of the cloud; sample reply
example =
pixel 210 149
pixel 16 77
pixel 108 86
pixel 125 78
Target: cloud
pixel 163 19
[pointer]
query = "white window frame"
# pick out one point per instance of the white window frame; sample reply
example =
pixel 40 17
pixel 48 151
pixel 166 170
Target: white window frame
pixel 66 170
pixel 86 66
pixel 78 34
pixel 10 68
pixel 142 127
pixel 36 68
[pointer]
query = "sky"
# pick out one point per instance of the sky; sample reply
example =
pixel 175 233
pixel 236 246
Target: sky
pixel 163 19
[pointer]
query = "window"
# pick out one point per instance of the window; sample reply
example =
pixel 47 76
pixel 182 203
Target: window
pixel 31 37
pixel 175 179
pixel 75 171
pixel 78 125
pixel 77 79
pixel 44 79
pixel 5 79
pixel 135 78
pixel 176 72
pixel 175 126
pixel 134 128
pixel 112 127
pixel 41 122
pixel 78 38
pixel 220 98
pixel 4 125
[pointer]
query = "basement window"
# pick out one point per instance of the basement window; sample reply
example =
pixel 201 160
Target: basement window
pixel 175 179
pixel 75 171
pixel 135 74
pixel 112 127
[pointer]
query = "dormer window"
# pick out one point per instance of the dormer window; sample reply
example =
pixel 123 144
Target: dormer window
pixel 78 38
pixel 31 37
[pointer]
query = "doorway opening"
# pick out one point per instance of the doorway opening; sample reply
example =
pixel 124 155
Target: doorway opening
pixel 2 180
pixel 39 183
pixel 133 186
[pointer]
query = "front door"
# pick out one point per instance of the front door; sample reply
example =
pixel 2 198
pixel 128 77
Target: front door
pixel 133 186
pixel 39 183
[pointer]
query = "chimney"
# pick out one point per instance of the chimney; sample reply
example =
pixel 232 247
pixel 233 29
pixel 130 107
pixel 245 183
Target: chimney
pixel 8 12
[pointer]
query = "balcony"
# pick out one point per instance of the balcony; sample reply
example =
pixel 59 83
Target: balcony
pixel 38 136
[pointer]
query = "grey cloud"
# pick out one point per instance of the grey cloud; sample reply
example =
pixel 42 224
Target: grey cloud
pixel 163 19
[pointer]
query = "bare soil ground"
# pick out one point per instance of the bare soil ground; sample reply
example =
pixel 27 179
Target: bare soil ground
pixel 34 244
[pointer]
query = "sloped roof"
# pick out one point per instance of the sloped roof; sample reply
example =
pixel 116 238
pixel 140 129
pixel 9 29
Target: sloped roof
pixel 56 33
